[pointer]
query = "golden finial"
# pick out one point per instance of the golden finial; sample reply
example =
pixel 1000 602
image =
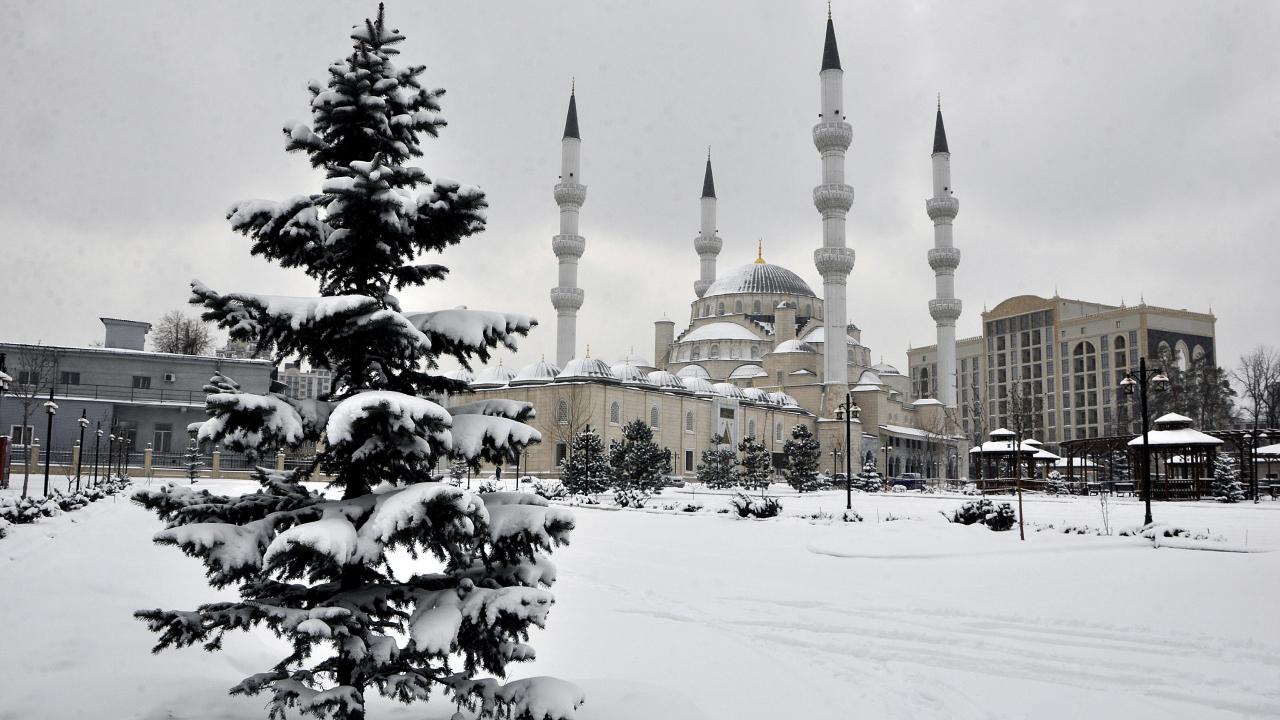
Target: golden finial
pixel 760 252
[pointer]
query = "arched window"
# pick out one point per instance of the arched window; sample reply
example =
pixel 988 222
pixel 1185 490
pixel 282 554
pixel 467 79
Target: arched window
pixel 737 306
pixel 654 417
pixel 1181 356
pixel 720 308
pixel 734 352
pixel 714 352
pixel 697 353
pixel 777 432
pixel 751 428
pixel 562 411
pixel 755 307
pixel 755 352
pixel 706 309
pixel 1119 345
pixel 1197 352
pixel 808 310
pixel 1164 352
pixel 688 421
pixel 615 413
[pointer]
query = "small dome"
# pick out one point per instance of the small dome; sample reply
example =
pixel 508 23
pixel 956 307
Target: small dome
pixel 729 390
pixel 693 371
pixel 536 374
pixel 759 278
pixel 794 346
pixel 700 386
pixel 641 362
pixel 746 372
pixel 783 399
pixel 629 374
pixel 719 331
pixel 493 377
pixel 819 335
pixel 461 374
pixel 756 395
pixel 869 377
pixel 586 369
pixel 664 380
pixel 886 369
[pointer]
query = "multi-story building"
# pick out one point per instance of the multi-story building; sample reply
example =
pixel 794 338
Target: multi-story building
pixel 304 384
pixel 1056 364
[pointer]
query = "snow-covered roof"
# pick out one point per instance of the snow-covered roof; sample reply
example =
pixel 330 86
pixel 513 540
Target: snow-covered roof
pixel 746 372
pixel 909 431
pixel 536 373
pixel 729 390
pixel 719 331
pixel 819 335
pixel 1002 432
pixel 1269 449
pixel 700 386
pixel 630 374
pixel 493 377
pixel 756 395
pixel 869 377
pixel 759 278
pixel 794 346
pixel 462 374
pixel 664 380
pixel 866 388
pixel 886 369
pixel 1171 418
pixel 801 371
pixel 926 401
pixel 1180 437
pixel 1042 454
pixel 587 368
pixel 1033 441
pixel 783 399
pixel 1075 463
pixel 693 371
pixel 1004 447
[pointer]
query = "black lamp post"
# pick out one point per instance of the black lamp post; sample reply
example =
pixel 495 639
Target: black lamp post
pixel 84 423
pixel 97 444
pixel 848 412
pixel 1145 380
pixel 51 409
pixel 111 453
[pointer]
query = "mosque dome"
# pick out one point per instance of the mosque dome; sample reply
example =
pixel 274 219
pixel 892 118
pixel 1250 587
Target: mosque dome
pixel 794 346
pixel 729 390
pixel 630 374
pixel 693 371
pixel 664 380
pixel 700 386
pixel 536 374
pixel 587 368
pixel 493 377
pixel 461 374
pixel 746 372
pixel 640 361
pixel 783 399
pixel 760 277
pixel 756 395
pixel 886 369
pixel 869 377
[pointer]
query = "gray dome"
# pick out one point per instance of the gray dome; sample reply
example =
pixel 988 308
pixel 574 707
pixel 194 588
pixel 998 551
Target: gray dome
pixel 630 374
pixel 700 386
pixel 756 395
pixel 462 374
pixel 729 390
pixel 693 371
pixel 586 369
pixel 667 381
pixel 536 374
pixel 760 278
pixel 493 377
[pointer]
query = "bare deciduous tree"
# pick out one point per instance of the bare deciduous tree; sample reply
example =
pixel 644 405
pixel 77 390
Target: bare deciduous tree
pixel 570 417
pixel 181 334
pixel 37 368
pixel 1259 370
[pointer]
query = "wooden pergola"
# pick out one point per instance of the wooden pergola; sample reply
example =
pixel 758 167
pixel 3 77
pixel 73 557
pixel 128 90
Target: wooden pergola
pixel 998 453
pixel 1181 458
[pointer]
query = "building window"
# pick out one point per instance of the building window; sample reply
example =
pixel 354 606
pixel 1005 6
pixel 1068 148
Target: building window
pixel 562 412
pixel 696 354
pixel 755 352
pixel 714 352
pixel 141 382
pixel 161 438
pixel 688 421
pixel 654 417
pixel 688 461
pixel 706 309
pixel 755 307
pixel 720 308
pixel 737 306
pixel 68 378
pixel 615 413
pixel 28 377
pixel 777 432
pixel 562 452
pixel 21 434
pixel 751 428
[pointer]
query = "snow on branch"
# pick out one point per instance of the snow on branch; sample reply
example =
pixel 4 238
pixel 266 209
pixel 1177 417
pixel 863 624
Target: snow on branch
pixel 493 439
pixel 244 421
pixel 383 422
pixel 497 407
pixel 462 333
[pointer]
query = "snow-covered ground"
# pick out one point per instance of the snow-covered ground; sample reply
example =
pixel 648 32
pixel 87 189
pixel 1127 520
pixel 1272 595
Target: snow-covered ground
pixel 701 615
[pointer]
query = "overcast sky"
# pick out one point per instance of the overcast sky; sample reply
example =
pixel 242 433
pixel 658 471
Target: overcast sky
pixel 1108 150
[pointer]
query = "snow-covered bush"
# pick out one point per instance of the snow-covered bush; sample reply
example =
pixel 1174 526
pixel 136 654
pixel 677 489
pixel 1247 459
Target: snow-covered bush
pixel 1054 484
pixel 996 517
pixel 636 462
pixel 6 527
pixel 691 508
pixel 20 511
pixel 487 486
pixel 802 451
pixel 1164 530
pixel 314 568
pixel 631 498
pixel 549 489
pixel 1226 486
pixel 718 461
pixel 899 488
pixel 747 506
pixel 581 499
pixel 585 470
pixel 68 502
pixel 869 479
pixel 850 516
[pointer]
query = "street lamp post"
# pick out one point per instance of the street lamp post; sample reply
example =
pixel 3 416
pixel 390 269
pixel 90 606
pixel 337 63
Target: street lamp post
pixel 84 423
pixel 849 412
pixel 111 453
pixel 1160 382
pixel 51 409
pixel 97 444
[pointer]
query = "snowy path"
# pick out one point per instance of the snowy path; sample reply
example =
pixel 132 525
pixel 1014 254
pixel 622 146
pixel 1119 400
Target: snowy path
pixel 685 617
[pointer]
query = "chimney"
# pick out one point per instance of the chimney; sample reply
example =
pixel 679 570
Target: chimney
pixel 125 334
pixel 784 323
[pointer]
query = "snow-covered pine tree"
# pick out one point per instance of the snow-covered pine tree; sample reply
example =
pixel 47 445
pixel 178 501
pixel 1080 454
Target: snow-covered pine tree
pixel 316 571
pixel 869 479
pixel 1119 467
pixel 193 462
pixel 718 461
pixel 1055 485
pixel 1226 486
pixel 457 472
pixel 754 465
pixel 585 470
pixel 802 459
pixel 636 462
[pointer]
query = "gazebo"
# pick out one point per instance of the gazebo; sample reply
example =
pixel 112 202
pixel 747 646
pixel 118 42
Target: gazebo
pixel 993 454
pixel 1042 456
pixel 1181 458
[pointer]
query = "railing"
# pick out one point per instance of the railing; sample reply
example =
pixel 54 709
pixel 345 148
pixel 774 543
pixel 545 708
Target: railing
pixel 129 394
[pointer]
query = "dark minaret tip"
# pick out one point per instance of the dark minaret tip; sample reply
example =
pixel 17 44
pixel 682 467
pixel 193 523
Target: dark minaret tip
pixel 830 53
pixel 571 122
pixel 940 134
pixel 708 184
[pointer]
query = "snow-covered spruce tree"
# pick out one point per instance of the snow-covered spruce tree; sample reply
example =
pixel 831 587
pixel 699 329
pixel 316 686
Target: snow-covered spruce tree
pixel 636 462
pixel 802 459
pixel 317 571
pixel 754 465
pixel 869 479
pixel 1055 485
pixel 1226 486
pixel 585 470
pixel 192 461
pixel 718 461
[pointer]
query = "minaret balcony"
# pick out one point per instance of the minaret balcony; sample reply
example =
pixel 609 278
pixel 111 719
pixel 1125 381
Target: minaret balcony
pixel 566 298
pixel 942 207
pixel 945 310
pixel 832 136
pixel 707 245
pixel 573 194
pixel 833 199
pixel 944 259
pixel 568 245
pixel 833 261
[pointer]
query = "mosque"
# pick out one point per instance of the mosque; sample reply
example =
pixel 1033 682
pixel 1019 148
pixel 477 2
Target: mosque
pixel 754 358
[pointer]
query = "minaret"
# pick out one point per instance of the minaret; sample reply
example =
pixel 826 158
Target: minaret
pixel 707 244
pixel 944 259
pixel 568 246
pixel 833 198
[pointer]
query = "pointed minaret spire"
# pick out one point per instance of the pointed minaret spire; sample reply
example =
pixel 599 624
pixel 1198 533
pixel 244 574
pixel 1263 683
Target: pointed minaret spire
pixel 830 53
pixel 568 245
pixel 571 120
pixel 944 258
pixel 708 183
pixel 939 132
pixel 708 243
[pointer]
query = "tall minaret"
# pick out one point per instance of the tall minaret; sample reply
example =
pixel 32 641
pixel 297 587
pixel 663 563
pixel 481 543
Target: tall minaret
pixel 944 259
pixel 707 244
pixel 833 198
pixel 568 246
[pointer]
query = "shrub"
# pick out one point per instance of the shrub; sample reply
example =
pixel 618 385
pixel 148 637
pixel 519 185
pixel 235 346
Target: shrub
pixel 549 489
pixel 487 486
pixel 631 498
pixel 746 506
pixel 998 518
